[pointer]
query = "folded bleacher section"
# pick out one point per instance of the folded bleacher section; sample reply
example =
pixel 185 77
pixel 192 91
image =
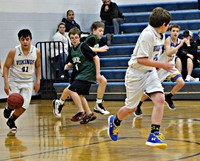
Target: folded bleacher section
pixel 114 62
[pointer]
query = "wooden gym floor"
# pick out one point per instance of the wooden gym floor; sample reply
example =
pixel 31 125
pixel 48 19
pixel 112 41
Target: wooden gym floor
pixel 41 137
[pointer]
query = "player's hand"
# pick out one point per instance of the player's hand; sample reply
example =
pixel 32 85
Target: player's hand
pixel 104 48
pixel 37 87
pixel 168 66
pixel 67 67
pixel 7 88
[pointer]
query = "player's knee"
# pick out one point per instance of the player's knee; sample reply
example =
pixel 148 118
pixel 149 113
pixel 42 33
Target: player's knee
pixel 159 100
pixel 181 83
pixel 103 80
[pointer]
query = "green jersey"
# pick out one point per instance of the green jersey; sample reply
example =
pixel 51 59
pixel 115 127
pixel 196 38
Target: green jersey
pixel 86 69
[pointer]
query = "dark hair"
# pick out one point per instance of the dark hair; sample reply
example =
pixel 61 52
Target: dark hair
pixel 61 23
pixel 97 24
pixel 159 16
pixel 74 31
pixel 24 33
pixel 174 26
pixel 69 11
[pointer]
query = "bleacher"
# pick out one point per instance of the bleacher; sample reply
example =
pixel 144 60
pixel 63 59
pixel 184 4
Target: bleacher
pixel 114 62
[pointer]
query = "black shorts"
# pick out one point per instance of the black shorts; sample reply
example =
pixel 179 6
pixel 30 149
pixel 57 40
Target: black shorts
pixel 81 87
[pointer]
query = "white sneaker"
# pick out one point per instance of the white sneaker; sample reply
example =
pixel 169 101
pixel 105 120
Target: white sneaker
pixel 100 109
pixel 191 79
pixel 57 108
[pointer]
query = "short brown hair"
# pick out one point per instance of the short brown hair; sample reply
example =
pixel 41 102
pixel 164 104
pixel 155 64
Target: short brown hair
pixel 74 31
pixel 97 24
pixel 159 16
pixel 174 26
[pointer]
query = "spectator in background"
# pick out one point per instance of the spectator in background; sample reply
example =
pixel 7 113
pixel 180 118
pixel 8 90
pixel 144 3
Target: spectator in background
pixel 188 55
pixel 198 40
pixel 58 55
pixel 69 21
pixel 111 15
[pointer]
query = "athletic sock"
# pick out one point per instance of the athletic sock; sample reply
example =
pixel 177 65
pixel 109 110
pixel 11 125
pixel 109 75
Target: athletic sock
pixel 99 100
pixel 169 95
pixel 117 122
pixel 155 128
pixel 13 117
pixel 61 101
pixel 139 105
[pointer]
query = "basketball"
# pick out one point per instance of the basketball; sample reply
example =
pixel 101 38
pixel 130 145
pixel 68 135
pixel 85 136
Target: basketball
pixel 15 100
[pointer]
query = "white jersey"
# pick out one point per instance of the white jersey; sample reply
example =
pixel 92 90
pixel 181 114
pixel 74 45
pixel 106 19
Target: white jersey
pixel 23 67
pixel 150 44
pixel 163 74
pixel 172 58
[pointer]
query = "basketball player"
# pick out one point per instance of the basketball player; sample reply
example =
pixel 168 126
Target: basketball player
pixel 20 65
pixel 87 65
pixel 93 41
pixel 172 44
pixel 141 76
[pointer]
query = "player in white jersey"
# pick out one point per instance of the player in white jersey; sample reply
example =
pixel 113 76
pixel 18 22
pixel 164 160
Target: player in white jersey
pixel 18 72
pixel 141 76
pixel 172 44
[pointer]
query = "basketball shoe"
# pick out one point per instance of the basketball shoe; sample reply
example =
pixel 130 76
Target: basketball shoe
pixel 57 108
pixel 112 128
pixel 98 108
pixel 138 112
pixel 169 103
pixel 11 125
pixel 7 112
pixel 156 140
pixel 88 118
pixel 78 116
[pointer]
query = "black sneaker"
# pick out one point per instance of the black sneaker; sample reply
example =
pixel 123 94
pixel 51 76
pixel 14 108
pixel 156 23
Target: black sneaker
pixel 138 112
pixel 7 112
pixel 100 109
pixel 169 103
pixel 11 125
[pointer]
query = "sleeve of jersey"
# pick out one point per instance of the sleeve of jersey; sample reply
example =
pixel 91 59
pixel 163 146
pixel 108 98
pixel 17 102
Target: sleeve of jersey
pixel 87 51
pixel 146 44
pixel 69 58
pixel 91 41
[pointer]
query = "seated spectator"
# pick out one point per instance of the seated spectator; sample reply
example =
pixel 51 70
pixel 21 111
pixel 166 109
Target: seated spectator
pixel 188 55
pixel 111 15
pixel 198 40
pixel 58 55
pixel 70 23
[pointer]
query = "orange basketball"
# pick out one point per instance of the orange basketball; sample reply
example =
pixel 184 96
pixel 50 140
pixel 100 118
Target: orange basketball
pixel 15 100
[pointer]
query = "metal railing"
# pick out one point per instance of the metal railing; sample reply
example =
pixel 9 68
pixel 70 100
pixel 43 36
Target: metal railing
pixel 49 73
